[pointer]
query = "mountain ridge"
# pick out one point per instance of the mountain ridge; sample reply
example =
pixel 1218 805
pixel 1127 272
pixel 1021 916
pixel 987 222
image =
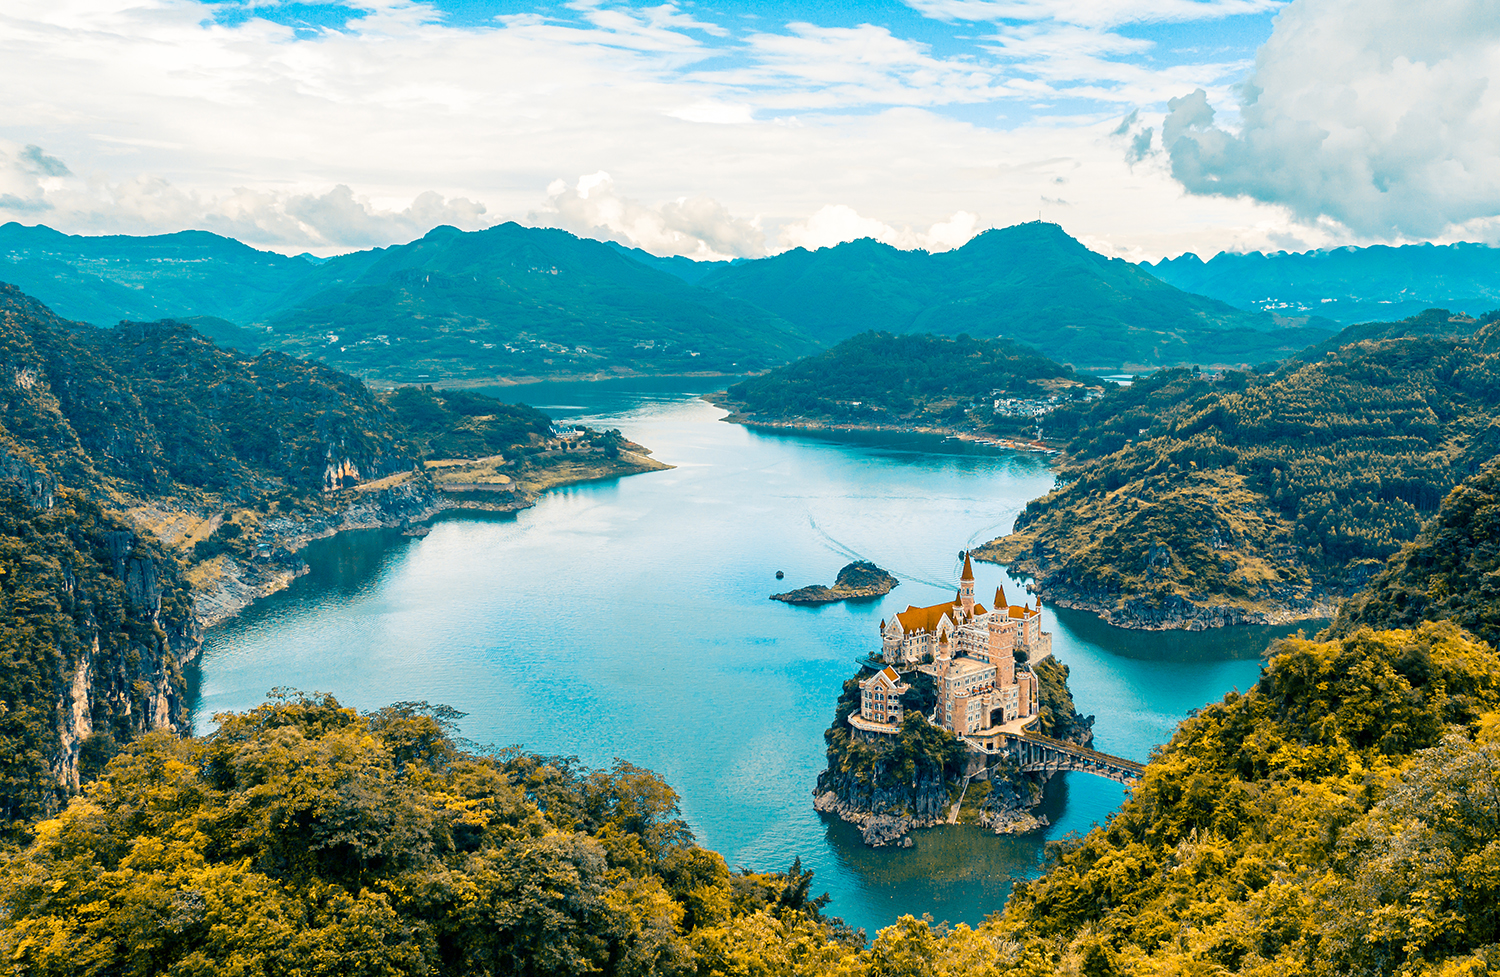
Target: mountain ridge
pixel 526 302
pixel 1031 282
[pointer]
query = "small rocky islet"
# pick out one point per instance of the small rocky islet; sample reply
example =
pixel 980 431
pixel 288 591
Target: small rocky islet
pixel 859 579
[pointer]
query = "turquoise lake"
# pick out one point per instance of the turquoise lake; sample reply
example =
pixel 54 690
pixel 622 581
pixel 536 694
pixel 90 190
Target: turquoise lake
pixel 629 618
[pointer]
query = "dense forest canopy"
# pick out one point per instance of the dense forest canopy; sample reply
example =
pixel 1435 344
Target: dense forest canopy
pixel 305 838
pixel 1335 819
pixel 1262 488
pixel 1450 572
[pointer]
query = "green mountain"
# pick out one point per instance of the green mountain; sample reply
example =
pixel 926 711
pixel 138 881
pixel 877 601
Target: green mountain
pixel 514 301
pixel 518 301
pixel 913 380
pixel 1192 500
pixel 1031 283
pixel 1429 322
pixel 108 278
pixel 1346 285
pixel 509 301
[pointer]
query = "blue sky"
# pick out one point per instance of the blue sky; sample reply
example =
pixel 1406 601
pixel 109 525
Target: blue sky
pixel 1145 127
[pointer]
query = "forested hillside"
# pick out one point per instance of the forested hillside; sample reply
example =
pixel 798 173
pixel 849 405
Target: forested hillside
pixel 513 301
pixel 306 838
pixel 139 466
pixel 1450 572
pixel 518 301
pixel 1031 283
pixel 1191 500
pixel 103 279
pixel 919 380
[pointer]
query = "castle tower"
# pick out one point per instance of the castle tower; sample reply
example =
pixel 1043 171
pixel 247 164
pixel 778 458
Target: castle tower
pixel 1000 603
pixel 966 587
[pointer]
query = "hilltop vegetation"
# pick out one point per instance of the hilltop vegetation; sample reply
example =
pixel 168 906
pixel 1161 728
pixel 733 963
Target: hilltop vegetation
pixel 303 837
pixel 1335 819
pixel 1450 572
pixel 919 380
pixel 1191 500
pixel 1031 283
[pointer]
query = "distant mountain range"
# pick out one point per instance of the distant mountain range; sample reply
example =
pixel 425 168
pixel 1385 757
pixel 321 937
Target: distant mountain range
pixel 1030 282
pixel 509 301
pixel 1346 285
pixel 518 302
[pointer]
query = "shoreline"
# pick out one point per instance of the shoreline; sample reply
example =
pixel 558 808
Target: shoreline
pixel 224 586
pixel 810 424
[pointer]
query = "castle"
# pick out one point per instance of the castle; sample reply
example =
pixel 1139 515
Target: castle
pixel 970 653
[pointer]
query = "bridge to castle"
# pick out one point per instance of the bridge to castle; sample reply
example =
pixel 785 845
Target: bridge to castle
pixel 1036 753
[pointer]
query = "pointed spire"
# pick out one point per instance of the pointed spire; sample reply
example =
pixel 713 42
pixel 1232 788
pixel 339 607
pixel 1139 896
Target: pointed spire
pixel 1000 601
pixel 968 573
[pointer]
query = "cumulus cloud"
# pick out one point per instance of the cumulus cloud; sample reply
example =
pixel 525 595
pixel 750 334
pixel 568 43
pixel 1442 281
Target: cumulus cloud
pixel 1382 115
pixel 696 227
pixel 838 223
pixel 33 183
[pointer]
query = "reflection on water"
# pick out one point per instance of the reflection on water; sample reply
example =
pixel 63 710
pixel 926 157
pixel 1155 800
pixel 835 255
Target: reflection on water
pixel 1218 644
pixel 630 619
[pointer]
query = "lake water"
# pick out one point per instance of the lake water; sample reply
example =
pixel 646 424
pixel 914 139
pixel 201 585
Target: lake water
pixel 629 619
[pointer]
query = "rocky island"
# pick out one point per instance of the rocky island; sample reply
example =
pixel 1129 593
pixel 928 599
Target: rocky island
pixel 858 579
pixel 966 723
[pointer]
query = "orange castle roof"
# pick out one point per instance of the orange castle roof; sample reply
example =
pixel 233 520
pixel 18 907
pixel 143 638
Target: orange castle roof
pixel 968 573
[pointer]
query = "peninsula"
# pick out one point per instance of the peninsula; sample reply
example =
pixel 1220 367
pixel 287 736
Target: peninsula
pixel 972 388
pixel 858 579
pixel 1193 499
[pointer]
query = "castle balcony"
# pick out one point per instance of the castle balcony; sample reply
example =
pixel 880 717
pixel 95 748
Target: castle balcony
pixel 859 722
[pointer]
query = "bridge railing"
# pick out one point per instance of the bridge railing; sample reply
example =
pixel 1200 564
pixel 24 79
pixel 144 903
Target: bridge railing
pixel 1082 751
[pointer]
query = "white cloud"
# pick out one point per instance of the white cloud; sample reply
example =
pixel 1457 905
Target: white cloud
pixel 838 223
pixel 38 186
pixel 717 143
pixel 1382 115
pixel 697 228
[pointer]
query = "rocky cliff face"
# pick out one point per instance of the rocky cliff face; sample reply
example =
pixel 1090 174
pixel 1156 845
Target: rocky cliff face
pixel 884 814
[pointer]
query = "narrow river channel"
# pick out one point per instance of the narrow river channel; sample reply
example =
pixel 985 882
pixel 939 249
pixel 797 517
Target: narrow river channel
pixel 629 619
